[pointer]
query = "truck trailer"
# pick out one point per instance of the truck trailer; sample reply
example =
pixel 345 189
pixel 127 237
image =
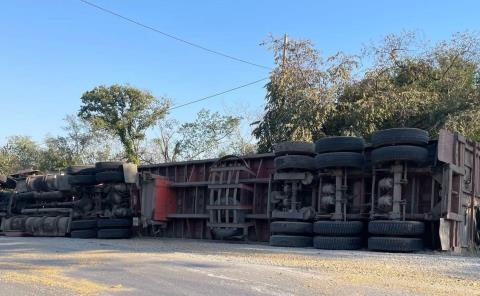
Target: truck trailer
pixel 402 192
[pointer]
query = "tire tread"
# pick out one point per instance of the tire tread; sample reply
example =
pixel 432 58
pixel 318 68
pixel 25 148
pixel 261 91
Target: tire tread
pixel 84 233
pixel 395 244
pixel 341 228
pixel 339 159
pixel 291 227
pixel 394 228
pixel 291 241
pixel 337 242
pixel 402 136
pixel 340 144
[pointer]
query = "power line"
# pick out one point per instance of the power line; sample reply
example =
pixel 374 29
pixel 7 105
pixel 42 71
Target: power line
pixel 217 94
pixel 172 36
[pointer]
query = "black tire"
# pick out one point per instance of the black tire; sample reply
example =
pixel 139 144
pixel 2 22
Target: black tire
pixel 340 228
pixel 394 228
pixel 291 227
pixel 82 180
pixel 108 165
pixel 114 223
pixel 110 177
pixel 225 233
pixel 291 241
pixel 11 183
pixel 414 154
pixel 83 224
pixel 294 162
pixel 340 144
pixel 395 244
pixel 294 148
pixel 402 136
pixel 339 159
pixel 81 170
pixel 114 233
pixel 337 242
pixel 84 233
pixel 7 182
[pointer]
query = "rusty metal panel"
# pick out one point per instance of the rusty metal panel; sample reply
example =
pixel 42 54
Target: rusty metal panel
pixel 462 185
pixel 190 181
pixel 445 146
pixel 147 202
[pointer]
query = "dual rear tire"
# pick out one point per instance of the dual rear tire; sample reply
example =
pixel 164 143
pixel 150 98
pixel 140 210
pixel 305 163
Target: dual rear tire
pixel 103 228
pixel 400 144
pixel 86 228
pixel 341 152
pixel 338 235
pixel 396 236
pixel 390 236
pixel 329 235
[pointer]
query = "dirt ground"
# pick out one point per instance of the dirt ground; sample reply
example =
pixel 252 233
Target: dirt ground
pixel 62 266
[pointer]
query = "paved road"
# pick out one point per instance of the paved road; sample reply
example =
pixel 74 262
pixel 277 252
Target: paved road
pixel 62 266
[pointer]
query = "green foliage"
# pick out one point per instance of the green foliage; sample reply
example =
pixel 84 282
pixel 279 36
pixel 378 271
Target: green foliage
pixel 79 145
pixel 408 84
pixel 437 88
pixel 86 144
pixel 19 153
pixel 123 111
pixel 204 137
pixel 208 136
pixel 301 93
pixel 56 155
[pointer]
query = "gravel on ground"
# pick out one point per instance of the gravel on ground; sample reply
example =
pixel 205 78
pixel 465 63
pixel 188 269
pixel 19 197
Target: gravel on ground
pixel 143 266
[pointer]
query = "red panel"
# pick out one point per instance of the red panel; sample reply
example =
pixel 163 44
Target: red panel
pixel 165 199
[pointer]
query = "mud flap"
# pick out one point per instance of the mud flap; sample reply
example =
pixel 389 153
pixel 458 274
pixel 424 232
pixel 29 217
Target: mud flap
pixel 444 233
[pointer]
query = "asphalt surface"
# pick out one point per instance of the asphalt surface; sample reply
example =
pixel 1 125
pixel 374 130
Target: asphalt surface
pixel 63 266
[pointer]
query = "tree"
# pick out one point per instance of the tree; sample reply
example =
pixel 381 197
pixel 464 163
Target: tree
pixel 413 85
pixel 165 147
pixel 80 135
pixel 242 141
pixel 168 143
pixel 80 144
pixel 123 111
pixel 19 153
pixel 408 83
pixel 5 163
pixel 56 155
pixel 207 135
pixel 88 144
pixel 302 92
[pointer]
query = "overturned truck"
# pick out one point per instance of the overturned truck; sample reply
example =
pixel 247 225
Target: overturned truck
pixel 401 192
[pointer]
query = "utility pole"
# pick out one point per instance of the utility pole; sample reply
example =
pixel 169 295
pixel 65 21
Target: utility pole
pixel 285 44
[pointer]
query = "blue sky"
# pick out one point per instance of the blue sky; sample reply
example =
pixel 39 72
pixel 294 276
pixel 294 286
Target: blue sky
pixel 51 51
